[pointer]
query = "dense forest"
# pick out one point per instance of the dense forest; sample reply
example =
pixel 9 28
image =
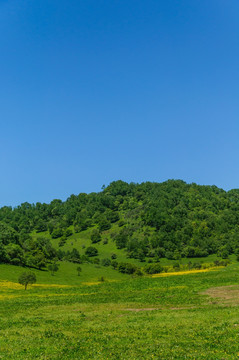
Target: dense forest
pixel 148 221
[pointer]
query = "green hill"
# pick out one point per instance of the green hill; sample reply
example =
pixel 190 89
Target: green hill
pixel 123 224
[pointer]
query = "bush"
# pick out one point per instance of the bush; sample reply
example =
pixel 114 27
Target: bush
pixel 95 236
pixel 96 261
pixel 91 251
pixel 153 268
pixel 56 233
pixel 114 264
pixel 68 232
pixel 121 223
pixel 62 241
pixel 106 262
pixel 127 268
pixel 104 224
pixel 197 266
pixel 138 272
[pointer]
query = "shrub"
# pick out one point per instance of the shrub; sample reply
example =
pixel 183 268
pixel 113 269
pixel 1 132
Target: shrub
pixel 62 241
pixel 95 236
pixel 121 223
pixel 96 261
pixel 106 262
pixel 127 268
pixel 114 264
pixel 197 266
pixel 56 233
pixel 91 251
pixel 153 268
pixel 68 232
pixel 138 272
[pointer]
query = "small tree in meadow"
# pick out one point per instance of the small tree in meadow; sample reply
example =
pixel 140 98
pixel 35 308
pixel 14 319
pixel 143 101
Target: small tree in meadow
pixel 78 270
pixel 54 267
pixel 27 278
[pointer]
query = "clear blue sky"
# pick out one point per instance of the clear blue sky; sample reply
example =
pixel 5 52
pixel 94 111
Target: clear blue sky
pixel 96 91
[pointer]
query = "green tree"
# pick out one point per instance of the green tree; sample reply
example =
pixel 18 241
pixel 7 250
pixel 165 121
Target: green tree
pixel 95 236
pixel 78 269
pixel 53 267
pixel 27 278
pixel 104 224
pixel 91 251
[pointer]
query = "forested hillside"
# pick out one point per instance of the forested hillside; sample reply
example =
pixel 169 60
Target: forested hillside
pixel 145 221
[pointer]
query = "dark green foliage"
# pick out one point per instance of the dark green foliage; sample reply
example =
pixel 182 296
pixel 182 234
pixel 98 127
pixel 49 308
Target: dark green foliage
pixel 127 268
pixel 114 264
pixel 41 226
pixel 91 251
pixel 153 268
pixel 68 232
pixel 8 234
pixel 138 272
pixel 223 262
pixel 95 236
pixel 62 241
pixel 73 256
pixel 106 262
pixel 56 233
pixel 121 223
pixel 27 278
pixel 36 259
pixel 14 254
pixel 149 220
pixel 104 223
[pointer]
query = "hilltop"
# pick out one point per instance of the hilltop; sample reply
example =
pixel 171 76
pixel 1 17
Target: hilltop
pixel 123 224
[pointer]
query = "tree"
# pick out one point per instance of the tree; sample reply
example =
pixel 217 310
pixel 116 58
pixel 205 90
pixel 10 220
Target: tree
pixel 78 270
pixel 104 224
pixel 36 259
pixel 53 268
pixel 95 236
pixel 27 278
pixel 91 251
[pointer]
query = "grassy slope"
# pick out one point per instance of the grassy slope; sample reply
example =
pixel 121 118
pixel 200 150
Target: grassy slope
pixel 77 240
pixel 81 241
pixel 104 322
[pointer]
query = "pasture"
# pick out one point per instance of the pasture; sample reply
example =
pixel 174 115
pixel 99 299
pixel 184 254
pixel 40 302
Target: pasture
pixel 182 316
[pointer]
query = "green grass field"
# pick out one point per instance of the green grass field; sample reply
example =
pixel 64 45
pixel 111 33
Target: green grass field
pixel 66 316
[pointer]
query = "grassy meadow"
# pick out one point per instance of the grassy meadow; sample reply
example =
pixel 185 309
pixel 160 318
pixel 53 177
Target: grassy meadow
pixel 189 315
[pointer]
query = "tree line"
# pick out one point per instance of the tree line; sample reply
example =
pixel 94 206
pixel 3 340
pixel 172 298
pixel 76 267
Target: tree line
pixel 172 219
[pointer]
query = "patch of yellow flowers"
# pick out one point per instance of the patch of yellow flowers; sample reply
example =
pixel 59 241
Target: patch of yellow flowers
pixel 186 272
pixel 9 285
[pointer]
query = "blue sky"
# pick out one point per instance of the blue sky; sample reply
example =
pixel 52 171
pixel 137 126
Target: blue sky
pixel 96 91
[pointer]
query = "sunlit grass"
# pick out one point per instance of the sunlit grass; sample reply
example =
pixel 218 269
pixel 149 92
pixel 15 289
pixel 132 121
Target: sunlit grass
pixel 165 317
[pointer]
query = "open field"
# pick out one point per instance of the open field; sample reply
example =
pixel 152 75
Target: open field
pixel 188 316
